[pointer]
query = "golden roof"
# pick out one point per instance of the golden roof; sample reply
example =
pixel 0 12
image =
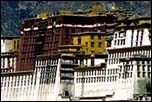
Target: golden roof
pixel 132 18
pixel 122 25
pixel 91 14
pixel 121 18
pixel 144 21
pixel 43 15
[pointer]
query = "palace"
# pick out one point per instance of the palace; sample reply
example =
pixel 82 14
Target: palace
pixel 91 54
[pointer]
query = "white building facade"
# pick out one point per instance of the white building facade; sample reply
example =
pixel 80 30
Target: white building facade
pixel 120 80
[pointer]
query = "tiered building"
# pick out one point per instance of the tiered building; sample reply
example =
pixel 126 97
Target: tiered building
pixel 44 35
pixel 65 57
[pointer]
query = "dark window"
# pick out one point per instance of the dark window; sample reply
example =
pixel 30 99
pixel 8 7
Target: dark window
pixel 123 42
pixel 92 37
pixel 132 38
pixel 92 61
pixel 131 75
pixel 99 44
pixel 138 68
pixel 138 74
pixel 123 75
pixel 107 79
pixel 148 67
pixel 92 52
pixel 143 67
pixel 144 74
pixel 149 74
pixel 118 42
pixel 14 44
pixel 86 43
pixel 79 41
pixel 116 35
pixel 17 44
pixel 119 75
pixel 115 42
pixel 92 44
pixel 99 37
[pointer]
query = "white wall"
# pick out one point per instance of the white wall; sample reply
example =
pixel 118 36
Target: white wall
pixel 6 45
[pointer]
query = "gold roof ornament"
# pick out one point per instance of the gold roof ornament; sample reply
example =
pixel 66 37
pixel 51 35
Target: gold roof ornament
pixel 43 15
pixel 64 11
pixel 96 8
pixel 132 24
pixel 113 6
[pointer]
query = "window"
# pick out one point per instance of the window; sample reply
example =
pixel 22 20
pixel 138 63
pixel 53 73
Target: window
pixel 118 42
pixel 114 42
pixel 99 37
pixel 107 79
pixel 123 42
pixel 79 41
pixel 115 78
pixel 144 74
pixel 92 44
pixel 94 79
pixel 92 37
pixel 138 68
pixel 14 44
pixel 119 75
pixel 131 75
pixel 99 44
pixel 143 67
pixel 115 35
pixel 148 67
pixel 138 74
pixel 149 74
pixel 123 75
pixel 92 52
pixel 86 43
pixel 141 37
pixel 143 62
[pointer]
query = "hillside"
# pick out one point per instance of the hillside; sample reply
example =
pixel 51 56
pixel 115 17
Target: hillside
pixel 13 12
